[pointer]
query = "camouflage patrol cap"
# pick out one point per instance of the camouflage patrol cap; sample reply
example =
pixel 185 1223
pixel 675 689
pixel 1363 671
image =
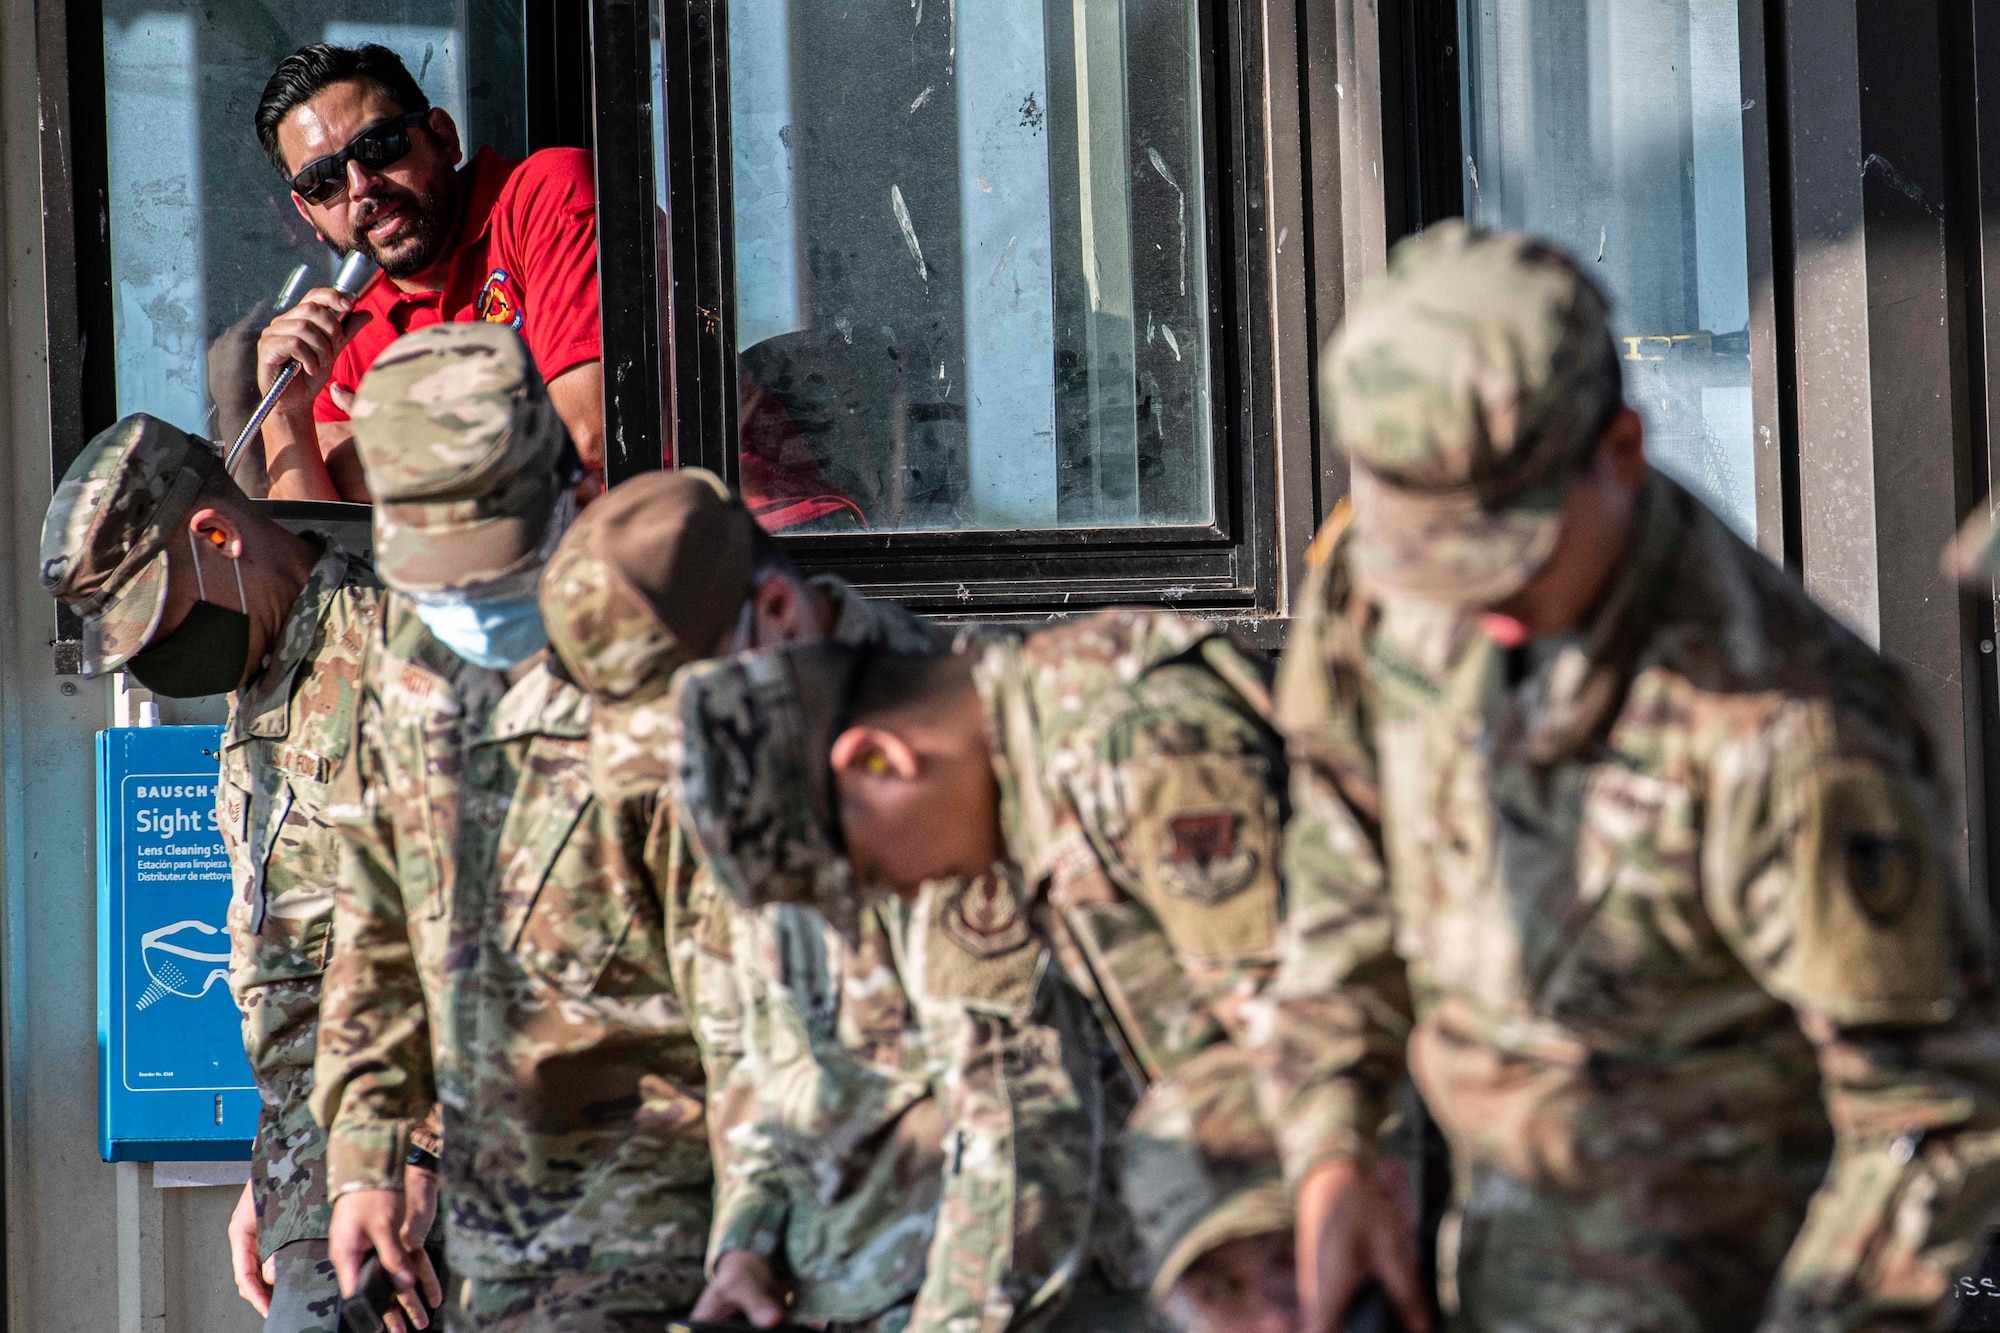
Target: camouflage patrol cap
pixel 105 540
pixel 650 578
pixel 1467 385
pixel 1200 1167
pixel 465 456
pixel 754 732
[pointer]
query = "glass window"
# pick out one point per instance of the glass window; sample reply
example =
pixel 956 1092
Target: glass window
pixel 970 273
pixel 1617 129
pixel 203 232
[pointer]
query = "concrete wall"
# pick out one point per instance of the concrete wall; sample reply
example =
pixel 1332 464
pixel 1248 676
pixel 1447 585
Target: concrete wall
pixel 90 1247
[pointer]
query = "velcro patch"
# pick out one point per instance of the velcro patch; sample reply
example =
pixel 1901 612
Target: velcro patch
pixel 974 944
pixel 416 682
pixel 1870 923
pixel 985 917
pixel 1203 837
pixel 302 763
pixel 1206 861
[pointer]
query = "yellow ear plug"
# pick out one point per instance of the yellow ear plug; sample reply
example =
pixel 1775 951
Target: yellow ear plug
pixel 878 763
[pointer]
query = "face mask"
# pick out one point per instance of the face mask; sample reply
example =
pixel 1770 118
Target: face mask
pixel 495 634
pixel 499 624
pixel 208 650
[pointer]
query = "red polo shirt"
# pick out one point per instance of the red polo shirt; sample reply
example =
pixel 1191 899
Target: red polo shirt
pixel 525 254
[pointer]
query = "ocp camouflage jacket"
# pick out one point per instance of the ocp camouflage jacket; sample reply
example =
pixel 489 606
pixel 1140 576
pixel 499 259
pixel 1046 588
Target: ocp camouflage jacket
pixel 1648 906
pixel 825 1132
pixel 286 740
pixel 499 944
pixel 1142 796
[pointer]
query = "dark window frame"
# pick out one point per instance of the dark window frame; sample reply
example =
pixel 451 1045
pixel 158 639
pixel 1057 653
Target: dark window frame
pixel 76 233
pixel 1227 567
pixel 1425 164
pixel 669 367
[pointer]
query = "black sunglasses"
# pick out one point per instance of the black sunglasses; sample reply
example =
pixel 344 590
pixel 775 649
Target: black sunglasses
pixel 321 180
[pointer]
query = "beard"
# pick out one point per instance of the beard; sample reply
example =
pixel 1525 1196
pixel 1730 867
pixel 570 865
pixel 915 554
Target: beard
pixel 426 215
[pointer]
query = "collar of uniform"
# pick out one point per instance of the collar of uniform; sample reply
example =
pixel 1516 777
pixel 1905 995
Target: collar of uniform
pixel 265 710
pixel 1027 815
pixel 1584 684
pixel 541 703
pixel 863 622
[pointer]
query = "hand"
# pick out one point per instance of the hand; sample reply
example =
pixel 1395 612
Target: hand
pixel 1349 1233
pixel 251 1283
pixel 365 1220
pixel 311 333
pixel 420 1203
pixel 744 1287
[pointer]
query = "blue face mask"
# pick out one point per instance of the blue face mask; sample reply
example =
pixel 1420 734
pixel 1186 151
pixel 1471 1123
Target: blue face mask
pixel 494 634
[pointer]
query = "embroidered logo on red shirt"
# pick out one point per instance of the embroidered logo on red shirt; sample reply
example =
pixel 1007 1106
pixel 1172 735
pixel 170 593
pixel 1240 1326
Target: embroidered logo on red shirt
pixel 496 303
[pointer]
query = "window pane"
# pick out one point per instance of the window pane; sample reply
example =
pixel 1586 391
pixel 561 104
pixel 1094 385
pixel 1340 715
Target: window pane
pixel 1617 129
pixel 203 232
pixel 971 289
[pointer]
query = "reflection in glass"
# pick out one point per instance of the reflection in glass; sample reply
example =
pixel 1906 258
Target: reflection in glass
pixel 1617 129
pixel 203 232
pixel 970 277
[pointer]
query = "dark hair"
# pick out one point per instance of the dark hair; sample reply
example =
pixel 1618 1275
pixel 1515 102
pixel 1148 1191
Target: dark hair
pixel 221 489
pixel 302 75
pixel 888 684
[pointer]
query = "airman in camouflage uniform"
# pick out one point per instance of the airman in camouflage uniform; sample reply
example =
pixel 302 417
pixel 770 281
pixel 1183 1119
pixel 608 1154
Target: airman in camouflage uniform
pixel 499 946
pixel 1132 798
pixel 820 1115
pixel 1651 893
pixel 113 540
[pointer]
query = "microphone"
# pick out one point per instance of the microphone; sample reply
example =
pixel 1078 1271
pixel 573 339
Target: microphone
pixel 355 271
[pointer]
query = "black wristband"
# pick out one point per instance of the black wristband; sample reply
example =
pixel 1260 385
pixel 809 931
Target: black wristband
pixel 419 1157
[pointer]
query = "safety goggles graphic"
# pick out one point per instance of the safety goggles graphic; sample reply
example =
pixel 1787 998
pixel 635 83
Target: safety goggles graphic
pixel 173 965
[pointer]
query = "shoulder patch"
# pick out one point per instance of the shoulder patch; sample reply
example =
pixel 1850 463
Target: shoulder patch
pixel 1870 923
pixel 496 303
pixel 1206 860
pixel 1201 833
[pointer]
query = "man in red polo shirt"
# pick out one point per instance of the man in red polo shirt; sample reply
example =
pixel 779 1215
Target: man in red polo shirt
pixel 374 167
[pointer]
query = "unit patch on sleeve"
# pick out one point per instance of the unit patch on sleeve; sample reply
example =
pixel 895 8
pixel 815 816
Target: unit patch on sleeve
pixel 496 303
pixel 1206 861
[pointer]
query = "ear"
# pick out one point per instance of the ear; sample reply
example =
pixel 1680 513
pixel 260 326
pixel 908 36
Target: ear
pixel 774 602
pixel 873 753
pixel 305 211
pixel 219 531
pixel 440 123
